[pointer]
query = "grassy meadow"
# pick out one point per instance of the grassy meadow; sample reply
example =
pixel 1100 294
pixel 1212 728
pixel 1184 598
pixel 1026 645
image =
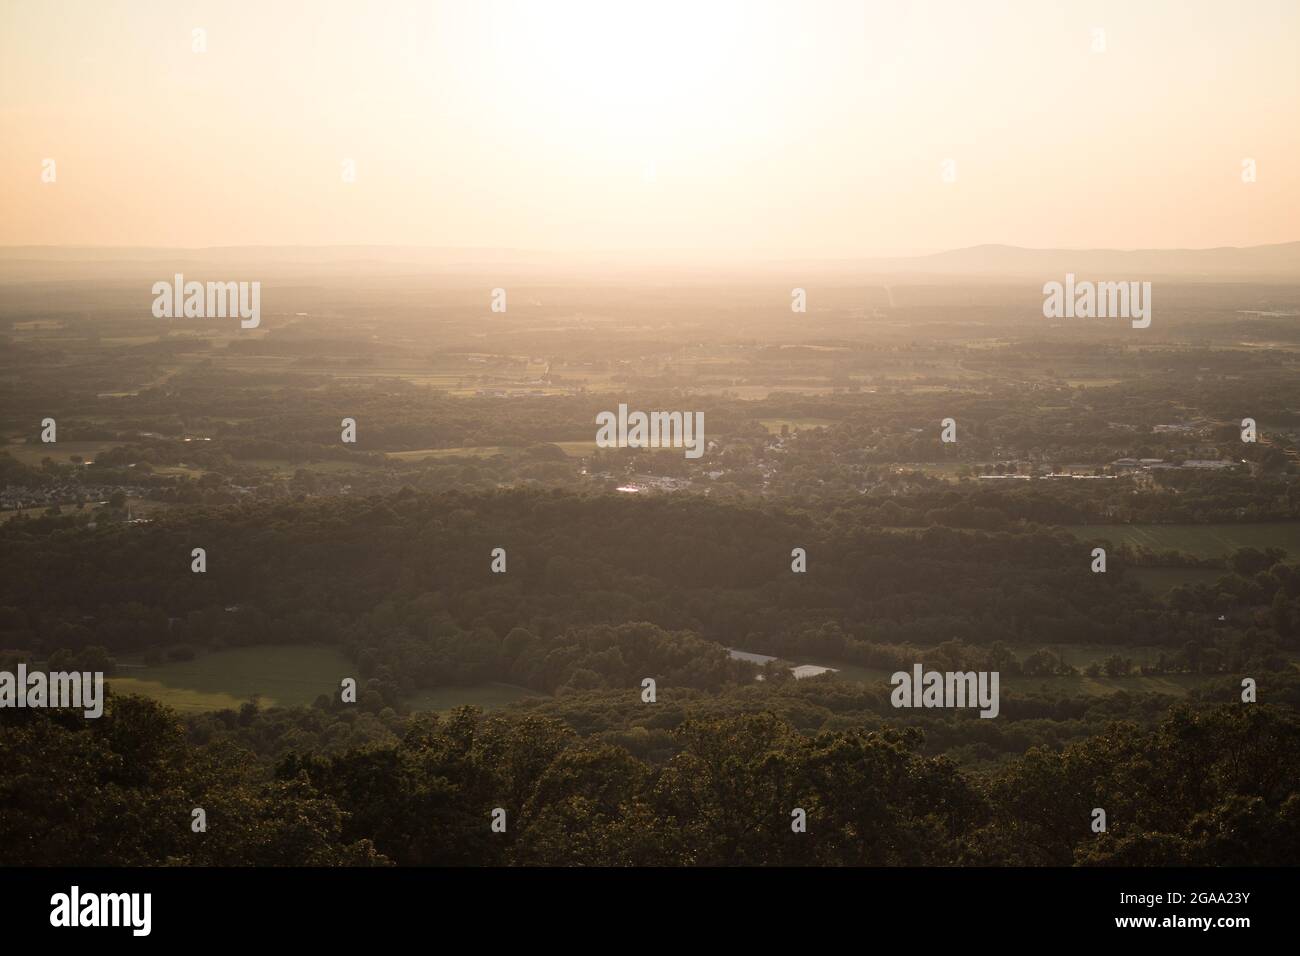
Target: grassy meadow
pixel 284 675
pixel 1202 540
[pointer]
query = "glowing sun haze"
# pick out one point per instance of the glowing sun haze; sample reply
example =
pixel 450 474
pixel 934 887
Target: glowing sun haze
pixel 711 127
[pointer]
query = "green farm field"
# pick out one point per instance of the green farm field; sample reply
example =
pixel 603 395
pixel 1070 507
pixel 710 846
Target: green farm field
pixel 490 696
pixel 279 675
pixel 325 467
pixel 284 675
pixel 1079 685
pixel 1202 540
pixel 33 453
pixel 1161 580
pixel 574 449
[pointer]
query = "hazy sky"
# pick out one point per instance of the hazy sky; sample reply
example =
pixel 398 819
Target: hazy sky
pixel 797 128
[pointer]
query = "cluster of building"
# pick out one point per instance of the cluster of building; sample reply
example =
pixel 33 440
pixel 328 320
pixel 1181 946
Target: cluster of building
pixel 1123 465
pixel 800 671
pixel 16 497
pixel 640 483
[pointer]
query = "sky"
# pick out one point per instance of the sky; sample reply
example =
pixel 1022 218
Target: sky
pixel 801 128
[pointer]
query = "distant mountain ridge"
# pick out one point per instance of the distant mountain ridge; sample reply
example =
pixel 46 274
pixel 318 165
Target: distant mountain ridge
pixel 1277 261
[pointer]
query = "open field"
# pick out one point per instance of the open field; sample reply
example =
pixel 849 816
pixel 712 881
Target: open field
pixel 38 511
pixel 33 453
pixel 773 425
pixel 1160 580
pixel 280 675
pixel 140 507
pixel 574 449
pixel 185 700
pixel 284 675
pixel 1080 685
pixel 935 469
pixel 479 451
pixel 284 466
pixel 1078 655
pixel 490 696
pixel 1202 540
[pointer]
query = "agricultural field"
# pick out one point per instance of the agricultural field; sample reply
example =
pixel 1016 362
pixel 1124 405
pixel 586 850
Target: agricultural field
pixel 479 451
pixel 140 508
pixel 33 453
pixel 491 695
pixel 1201 540
pixel 12 513
pixel 283 466
pixel 280 675
pixel 1080 685
pixel 773 425
pixel 574 449
pixel 1162 580
pixel 946 470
